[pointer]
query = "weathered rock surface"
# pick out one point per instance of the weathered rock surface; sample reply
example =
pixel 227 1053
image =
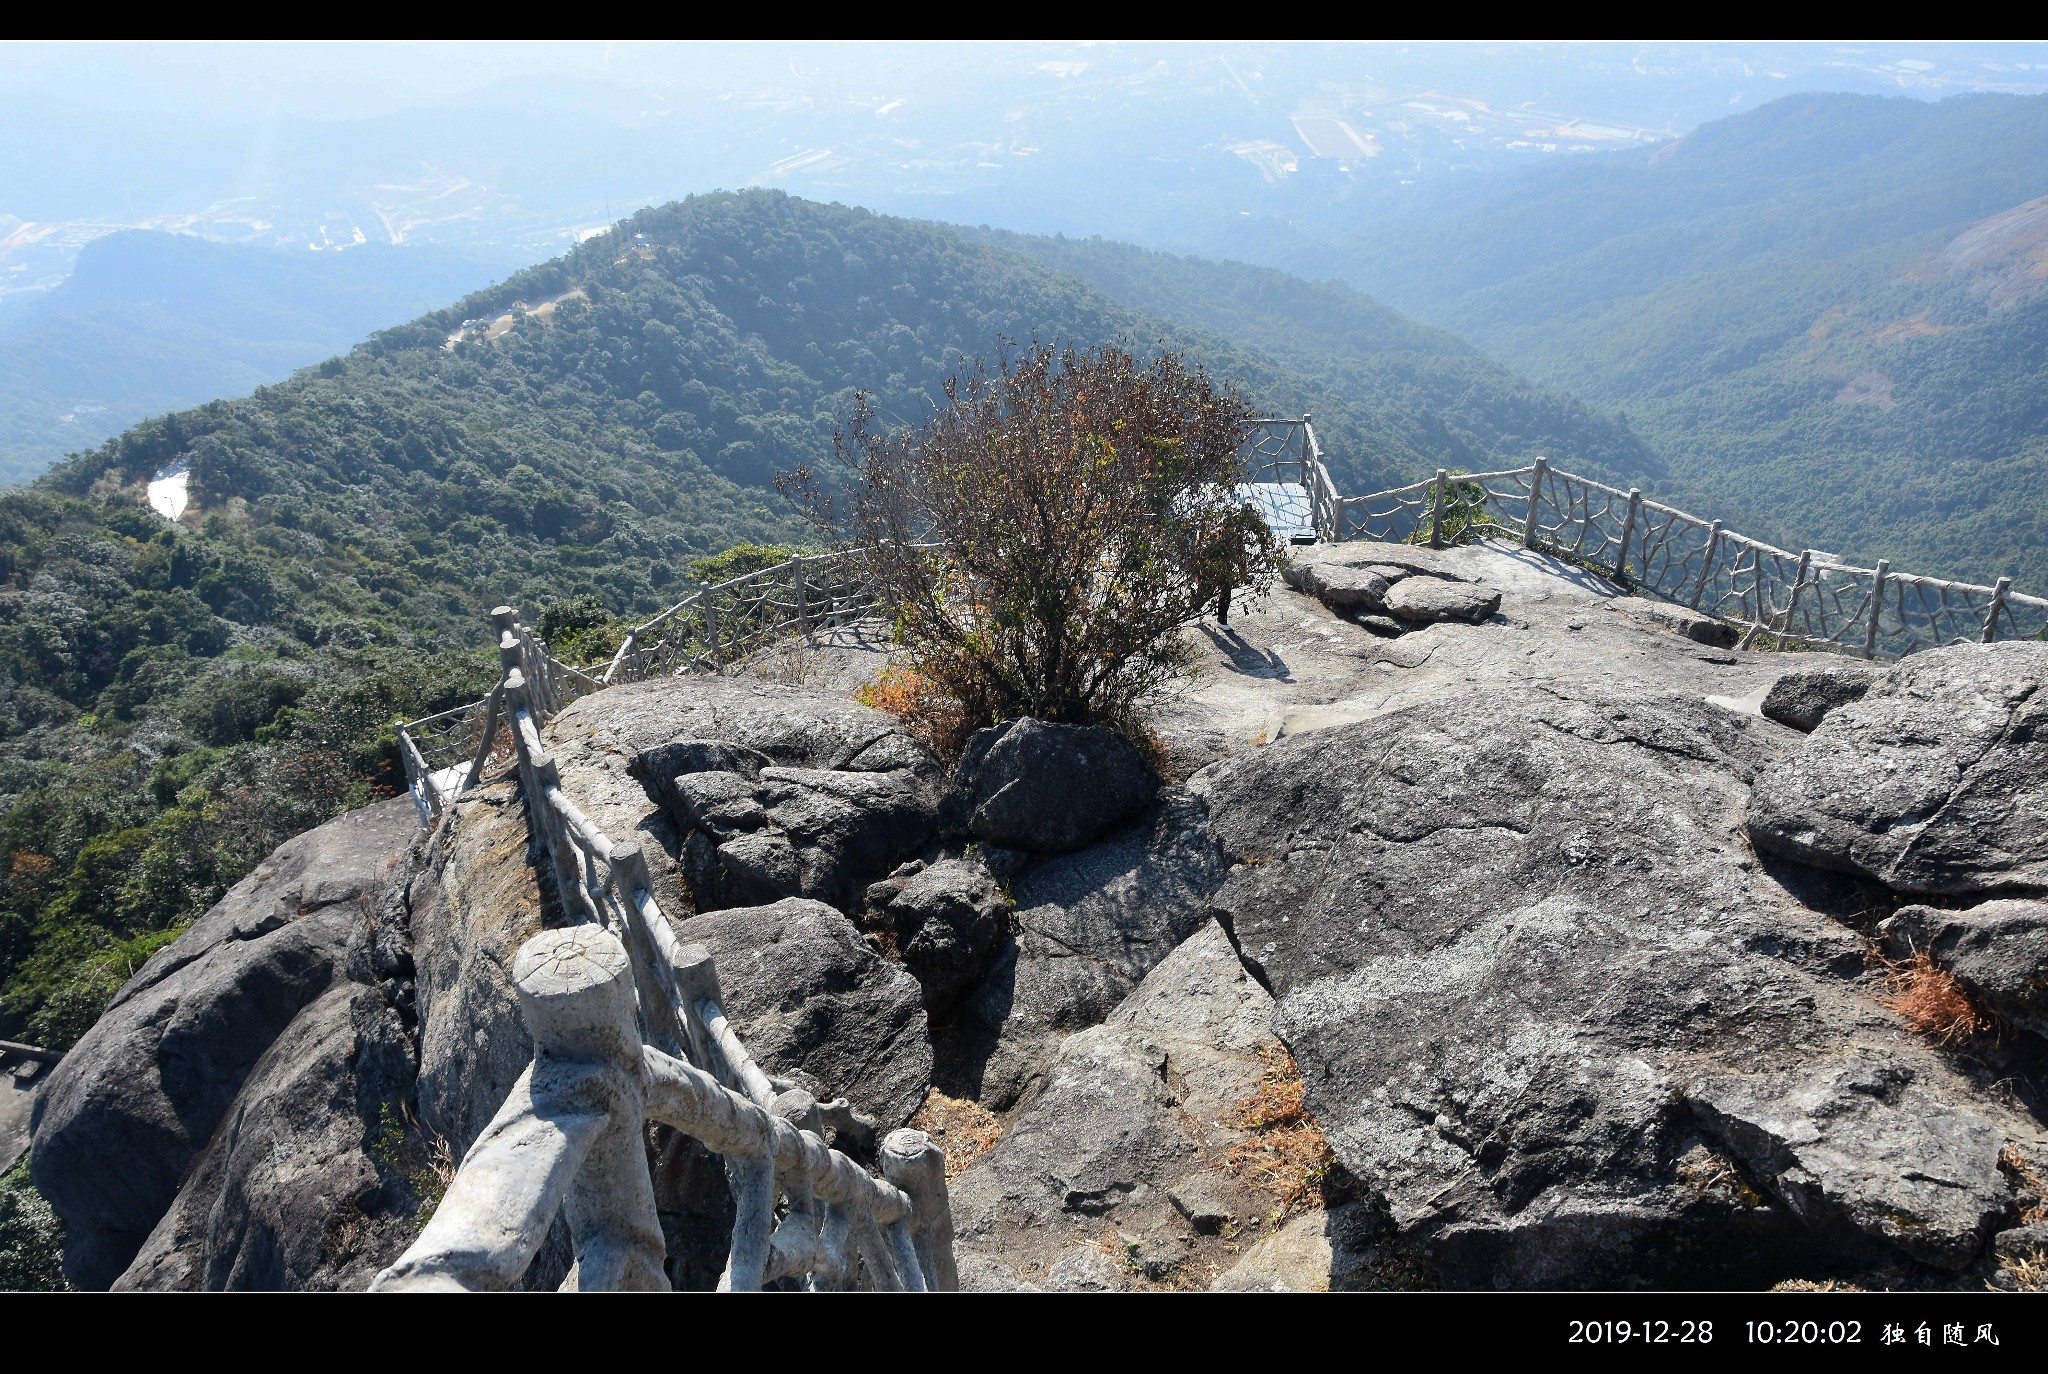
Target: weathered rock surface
pixel 1430 599
pixel 311 1181
pixel 135 1102
pixel 1537 985
pixel 1935 783
pixel 474 902
pixel 1131 1110
pixel 1999 951
pixel 1802 698
pixel 796 795
pixel 1313 1252
pixel 1701 629
pixel 1090 926
pixel 1409 583
pixel 1868 1143
pixel 1050 789
pixel 947 919
pixel 811 999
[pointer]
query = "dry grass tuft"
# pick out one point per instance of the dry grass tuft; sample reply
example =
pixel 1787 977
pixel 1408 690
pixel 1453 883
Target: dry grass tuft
pixel 936 720
pixel 1286 1154
pixel 1933 1002
pixel 2029 1176
pixel 1810 1286
pixel 964 1130
pixel 2029 1271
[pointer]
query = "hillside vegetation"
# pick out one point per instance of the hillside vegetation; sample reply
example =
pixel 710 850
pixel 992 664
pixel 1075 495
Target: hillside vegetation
pixel 1825 315
pixel 182 698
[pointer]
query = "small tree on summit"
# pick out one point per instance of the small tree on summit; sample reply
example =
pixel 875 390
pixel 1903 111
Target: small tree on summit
pixel 1045 536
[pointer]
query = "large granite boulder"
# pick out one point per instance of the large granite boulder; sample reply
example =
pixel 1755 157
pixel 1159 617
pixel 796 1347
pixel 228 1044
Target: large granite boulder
pixel 1089 927
pixel 1998 951
pixel 1050 789
pixel 1552 1011
pixel 1430 599
pixel 812 1000
pixel 1416 585
pixel 1935 783
pixel 137 1099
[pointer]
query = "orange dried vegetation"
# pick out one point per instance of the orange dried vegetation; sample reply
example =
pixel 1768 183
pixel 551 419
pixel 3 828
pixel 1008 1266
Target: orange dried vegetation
pixel 1286 1154
pixel 964 1130
pixel 1932 1001
pixel 927 712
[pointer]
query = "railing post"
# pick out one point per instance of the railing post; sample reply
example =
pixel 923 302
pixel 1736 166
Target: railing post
pixel 1799 579
pixel 696 977
pixel 1997 605
pixel 569 1139
pixel 483 745
pixel 653 974
pixel 1707 565
pixel 1628 531
pixel 803 610
pixel 1884 568
pixel 1536 476
pixel 1436 514
pixel 918 1167
pixel 576 994
pixel 710 623
pixel 1304 455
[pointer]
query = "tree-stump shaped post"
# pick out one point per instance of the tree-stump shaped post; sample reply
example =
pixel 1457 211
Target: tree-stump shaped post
pixel 576 993
pixel 918 1167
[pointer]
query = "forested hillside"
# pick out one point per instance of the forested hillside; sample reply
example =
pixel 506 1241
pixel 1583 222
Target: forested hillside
pixel 182 698
pixel 151 322
pixel 1426 397
pixel 1825 315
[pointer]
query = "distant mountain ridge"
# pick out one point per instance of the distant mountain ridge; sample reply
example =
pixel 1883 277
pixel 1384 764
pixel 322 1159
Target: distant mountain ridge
pixel 1826 315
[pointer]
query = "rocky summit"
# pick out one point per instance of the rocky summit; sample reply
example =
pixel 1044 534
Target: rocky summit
pixel 1467 924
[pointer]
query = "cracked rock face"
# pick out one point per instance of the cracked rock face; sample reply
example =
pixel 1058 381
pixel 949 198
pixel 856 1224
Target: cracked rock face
pixel 1090 926
pixel 1128 1131
pixel 1935 783
pixel 1508 936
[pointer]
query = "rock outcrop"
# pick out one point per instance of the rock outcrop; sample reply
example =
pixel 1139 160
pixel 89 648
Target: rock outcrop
pixel 1802 698
pixel 1092 1187
pixel 1089 927
pixel 1934 783
pixel 1410 584
pixel 1558 907
pixel 1553 1011
pixel 194 1034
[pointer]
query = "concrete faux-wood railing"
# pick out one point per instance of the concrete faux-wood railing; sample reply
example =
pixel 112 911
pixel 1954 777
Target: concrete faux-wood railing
pixel 1807 598
pixel 628 1028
